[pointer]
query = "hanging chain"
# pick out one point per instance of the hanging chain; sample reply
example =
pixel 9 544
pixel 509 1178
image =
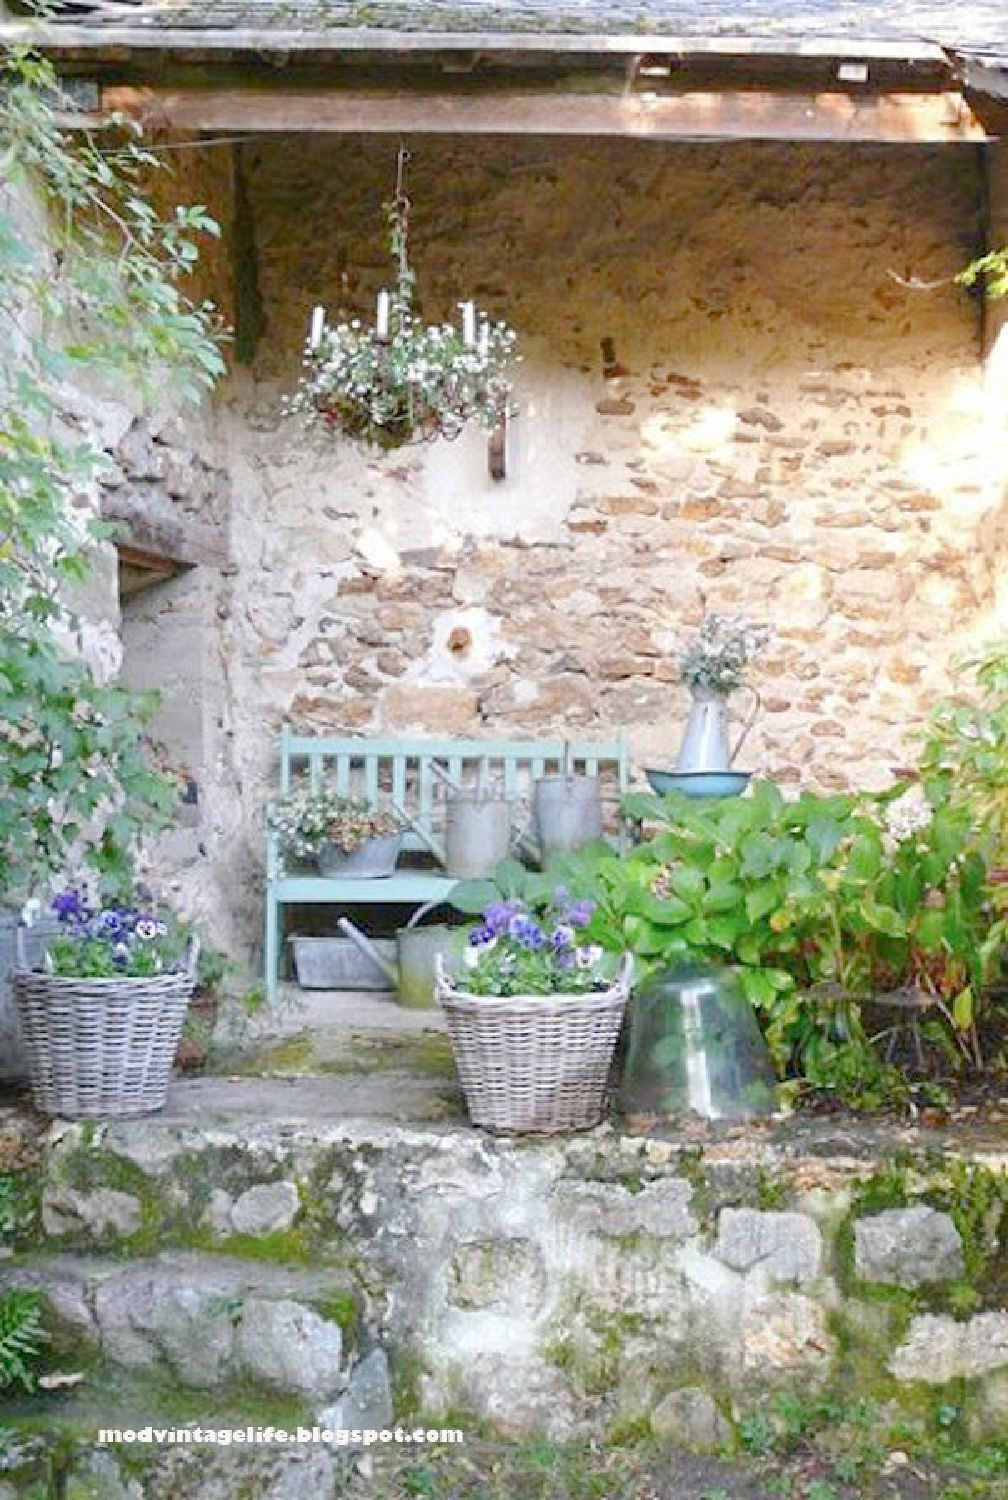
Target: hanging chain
pixel 399 218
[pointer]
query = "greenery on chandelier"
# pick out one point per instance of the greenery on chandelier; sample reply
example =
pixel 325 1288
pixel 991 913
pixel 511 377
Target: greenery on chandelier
pixel 401 379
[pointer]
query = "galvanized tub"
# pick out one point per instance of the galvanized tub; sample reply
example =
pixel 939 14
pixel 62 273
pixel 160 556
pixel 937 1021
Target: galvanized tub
pixel 373 860
pixel 329 963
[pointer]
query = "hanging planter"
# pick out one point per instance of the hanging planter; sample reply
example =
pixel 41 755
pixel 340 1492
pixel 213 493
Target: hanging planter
pixel 401 380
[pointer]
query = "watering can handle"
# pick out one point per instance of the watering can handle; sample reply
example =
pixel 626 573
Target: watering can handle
pixel 425 838
pixel 750 720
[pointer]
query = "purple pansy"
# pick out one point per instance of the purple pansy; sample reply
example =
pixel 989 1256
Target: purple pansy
pixel 497 916
pixel 69 905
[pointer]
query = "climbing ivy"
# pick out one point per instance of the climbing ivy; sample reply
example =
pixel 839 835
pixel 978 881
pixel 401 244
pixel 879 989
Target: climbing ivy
pixel 91 297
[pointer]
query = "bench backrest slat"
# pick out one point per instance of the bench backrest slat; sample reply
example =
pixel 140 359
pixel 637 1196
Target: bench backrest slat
pixel 401 770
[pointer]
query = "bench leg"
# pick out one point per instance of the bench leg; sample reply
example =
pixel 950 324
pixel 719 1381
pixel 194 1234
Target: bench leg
pixel 271 956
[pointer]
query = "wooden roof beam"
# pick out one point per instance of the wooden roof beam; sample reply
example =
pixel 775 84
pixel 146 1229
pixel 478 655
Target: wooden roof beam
pixel 911 118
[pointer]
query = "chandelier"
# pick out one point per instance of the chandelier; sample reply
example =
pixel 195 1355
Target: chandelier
pixel 401 380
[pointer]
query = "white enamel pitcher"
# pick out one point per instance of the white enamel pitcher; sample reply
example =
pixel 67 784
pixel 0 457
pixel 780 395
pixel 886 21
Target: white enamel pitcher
pixel 706 742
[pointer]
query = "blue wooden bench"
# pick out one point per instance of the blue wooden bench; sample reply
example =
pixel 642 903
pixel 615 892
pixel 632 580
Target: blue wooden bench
pixel 402 772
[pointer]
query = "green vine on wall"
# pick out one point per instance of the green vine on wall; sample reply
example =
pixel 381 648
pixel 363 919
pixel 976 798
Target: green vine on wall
pixel 92 295
pixel 993 268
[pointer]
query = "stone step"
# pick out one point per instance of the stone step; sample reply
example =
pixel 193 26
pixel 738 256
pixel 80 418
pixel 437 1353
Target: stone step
pixel 204 1320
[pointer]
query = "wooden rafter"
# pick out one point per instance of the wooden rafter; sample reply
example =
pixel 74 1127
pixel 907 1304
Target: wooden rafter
pixel 701 115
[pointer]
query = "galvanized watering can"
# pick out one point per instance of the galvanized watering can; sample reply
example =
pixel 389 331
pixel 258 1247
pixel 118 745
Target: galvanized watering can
pixel 412 976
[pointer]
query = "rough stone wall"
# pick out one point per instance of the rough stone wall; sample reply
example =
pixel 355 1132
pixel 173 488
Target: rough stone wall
pixel 801 432
pixel 576 1287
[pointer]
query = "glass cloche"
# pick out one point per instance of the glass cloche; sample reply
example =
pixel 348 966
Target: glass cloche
pixel 694 1046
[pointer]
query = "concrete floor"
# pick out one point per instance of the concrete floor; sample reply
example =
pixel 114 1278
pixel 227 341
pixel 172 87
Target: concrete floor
pixel 322 1056
pixel 356 1010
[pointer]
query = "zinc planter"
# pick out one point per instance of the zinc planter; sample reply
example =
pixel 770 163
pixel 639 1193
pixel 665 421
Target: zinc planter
pixel 373 860
pixel 101 1047
pixel 533 1063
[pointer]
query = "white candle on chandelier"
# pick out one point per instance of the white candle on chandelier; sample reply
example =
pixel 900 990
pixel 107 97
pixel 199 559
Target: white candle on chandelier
pixel 382 314
pixel 468 323
pixel 484 339
pixel 317 325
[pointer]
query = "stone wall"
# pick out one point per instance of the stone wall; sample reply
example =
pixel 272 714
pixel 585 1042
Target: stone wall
pixel 800 431
pixel 598 1284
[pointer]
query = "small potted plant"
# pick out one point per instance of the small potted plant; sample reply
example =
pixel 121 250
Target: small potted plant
pixel 101 1018
pixel 534 1022
pixel 343 835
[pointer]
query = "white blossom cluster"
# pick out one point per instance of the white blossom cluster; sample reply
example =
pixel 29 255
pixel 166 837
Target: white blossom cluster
pixel 309 816
pixel 908 815
pixel 423 380
pixel 715 661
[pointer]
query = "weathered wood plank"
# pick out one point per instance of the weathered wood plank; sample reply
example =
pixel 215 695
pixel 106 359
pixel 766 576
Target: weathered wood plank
pixel 118 41
pixel 740 114
pixel 182 542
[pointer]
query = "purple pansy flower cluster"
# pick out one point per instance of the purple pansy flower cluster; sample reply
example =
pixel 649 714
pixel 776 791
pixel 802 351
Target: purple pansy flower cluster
pixel 517 950
pixel 111 941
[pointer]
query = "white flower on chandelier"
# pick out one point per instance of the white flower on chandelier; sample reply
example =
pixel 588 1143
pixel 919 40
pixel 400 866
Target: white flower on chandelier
pixel 403 379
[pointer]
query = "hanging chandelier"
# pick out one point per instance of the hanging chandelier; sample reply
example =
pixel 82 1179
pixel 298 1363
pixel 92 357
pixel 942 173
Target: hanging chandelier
pixel 401 380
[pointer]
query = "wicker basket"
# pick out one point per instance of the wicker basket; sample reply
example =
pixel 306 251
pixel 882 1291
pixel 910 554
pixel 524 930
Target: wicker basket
pixel 101 1047
pixel 533 1063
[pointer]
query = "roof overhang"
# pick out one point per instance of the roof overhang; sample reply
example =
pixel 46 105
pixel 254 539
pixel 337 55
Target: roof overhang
pixel 648 86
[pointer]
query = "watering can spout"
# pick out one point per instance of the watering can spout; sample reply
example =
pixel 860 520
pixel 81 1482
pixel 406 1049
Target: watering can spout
pixel 365 945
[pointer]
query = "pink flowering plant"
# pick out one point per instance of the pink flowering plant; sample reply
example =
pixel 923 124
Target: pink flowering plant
pixel 535 948
pixel 113 942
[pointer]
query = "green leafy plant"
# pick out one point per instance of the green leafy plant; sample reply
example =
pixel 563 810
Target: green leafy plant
pixel 91 283
pixel 909 910
pixel 21 1337
pixel 816 903
pixel 731 881
pixel 992 269
pixel 964 758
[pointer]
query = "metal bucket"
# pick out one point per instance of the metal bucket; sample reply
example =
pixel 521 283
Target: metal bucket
pixel 567 811
pixel 477 834
pixel 375 859
pixel 417 949
pixel 13 1062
